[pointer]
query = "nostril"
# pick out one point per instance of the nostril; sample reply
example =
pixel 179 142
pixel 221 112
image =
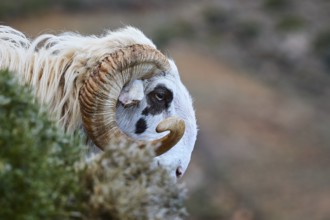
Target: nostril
pixel 179 172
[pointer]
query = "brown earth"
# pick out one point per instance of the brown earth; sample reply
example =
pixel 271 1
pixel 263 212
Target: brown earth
pixel 260 144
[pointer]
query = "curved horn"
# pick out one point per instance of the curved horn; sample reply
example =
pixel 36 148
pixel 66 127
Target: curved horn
pixel 176 127
pixel 99 95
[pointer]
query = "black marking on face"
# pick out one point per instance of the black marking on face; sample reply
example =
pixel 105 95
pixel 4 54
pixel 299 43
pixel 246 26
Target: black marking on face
pixel 158 100
pixel 141 126
pixel 145 111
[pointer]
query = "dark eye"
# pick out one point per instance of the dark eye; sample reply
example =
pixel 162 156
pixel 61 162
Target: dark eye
pixel 159 96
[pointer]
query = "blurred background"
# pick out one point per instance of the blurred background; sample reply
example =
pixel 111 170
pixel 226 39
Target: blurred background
pixel 259 72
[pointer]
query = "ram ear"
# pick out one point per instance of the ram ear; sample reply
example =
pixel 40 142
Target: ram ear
pixel 132 93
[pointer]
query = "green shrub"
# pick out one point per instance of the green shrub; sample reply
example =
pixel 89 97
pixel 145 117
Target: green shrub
pixel 322 47
pixel 217 19
pixel 37 160
pixel 43 176
pixel 290 23
pixel 122 184
pixel 179 29
pixel 248 30
pixel 10 9
pixel 276 5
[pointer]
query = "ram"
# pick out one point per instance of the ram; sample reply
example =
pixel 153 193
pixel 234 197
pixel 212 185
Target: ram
pixel 111 86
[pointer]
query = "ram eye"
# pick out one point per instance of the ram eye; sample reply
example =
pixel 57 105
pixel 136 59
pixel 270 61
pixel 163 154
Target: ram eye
pixel 159 96
pixel 158 100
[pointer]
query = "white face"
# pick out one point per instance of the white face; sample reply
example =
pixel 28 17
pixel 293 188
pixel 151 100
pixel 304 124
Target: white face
pixel 143 104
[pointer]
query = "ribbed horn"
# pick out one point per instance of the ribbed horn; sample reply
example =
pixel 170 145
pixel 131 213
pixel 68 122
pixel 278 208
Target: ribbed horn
pixel 176 127
pixel 99 95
